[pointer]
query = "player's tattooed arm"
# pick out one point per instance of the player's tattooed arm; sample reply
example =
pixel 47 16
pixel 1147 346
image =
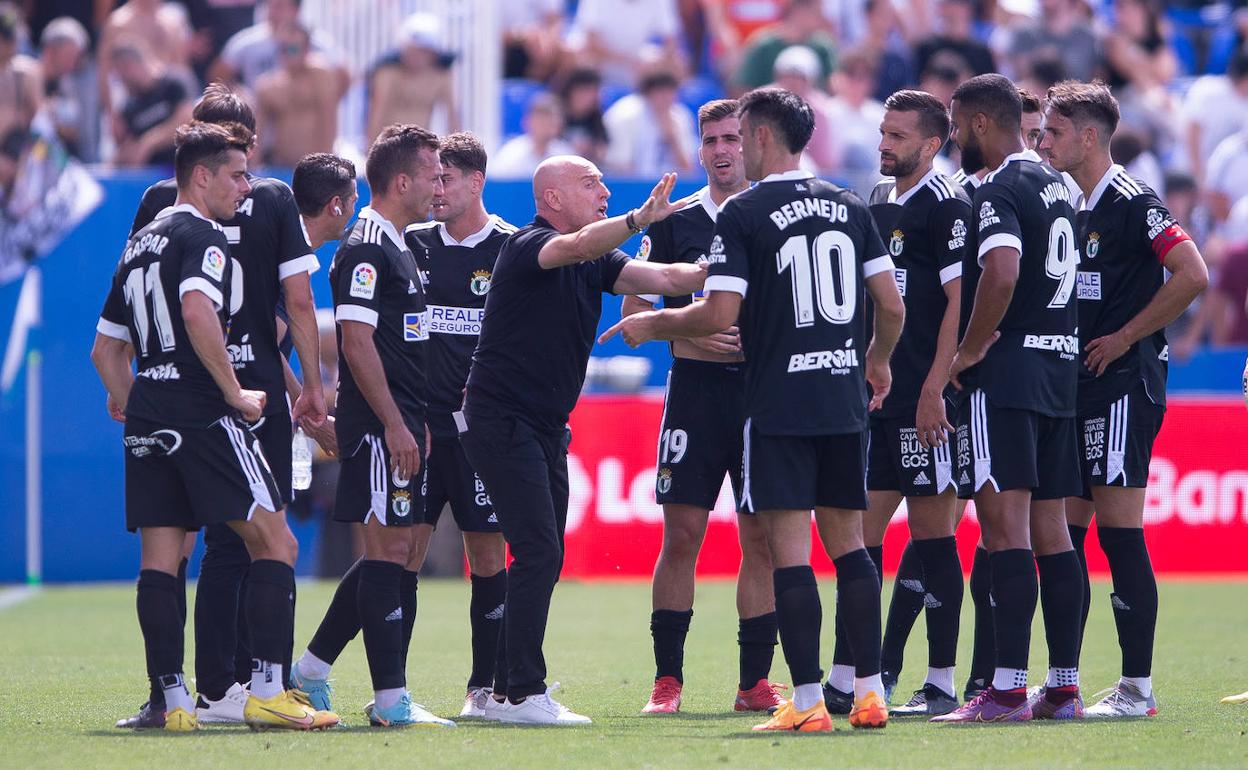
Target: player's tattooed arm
pixel 1188 279
pixel 203 326
pixel 111 357
pixel 890 316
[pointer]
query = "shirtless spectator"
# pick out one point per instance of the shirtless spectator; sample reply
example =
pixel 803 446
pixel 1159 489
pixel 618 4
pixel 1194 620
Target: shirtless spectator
pixel 250 53
pixel 20 80
pixel 71 98
pixel 622 39
pixel 406 88
pixel 532 38
pixel 298 101
pixel 163 29
pixel 155 104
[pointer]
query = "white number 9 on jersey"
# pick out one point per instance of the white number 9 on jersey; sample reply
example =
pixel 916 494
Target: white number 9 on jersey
pixel 1062 261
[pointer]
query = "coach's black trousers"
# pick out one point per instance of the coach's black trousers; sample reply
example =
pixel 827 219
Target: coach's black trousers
pixel 222 654
pixel 525 472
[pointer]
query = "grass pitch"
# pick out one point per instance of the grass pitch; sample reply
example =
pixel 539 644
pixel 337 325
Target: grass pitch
pixel 71 663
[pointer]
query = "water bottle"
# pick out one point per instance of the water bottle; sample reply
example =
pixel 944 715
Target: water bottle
pixel 301 460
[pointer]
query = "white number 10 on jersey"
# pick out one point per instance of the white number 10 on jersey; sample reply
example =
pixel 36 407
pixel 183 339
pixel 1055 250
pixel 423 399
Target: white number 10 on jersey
pixel 817 280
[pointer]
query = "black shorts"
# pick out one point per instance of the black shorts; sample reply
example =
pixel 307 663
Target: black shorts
pixel 368 490
pixel 1014 449
pixel 192 477
pixel 1116 441
pixel 276 433
pixel 796 473
pixel 700 438
pixel 897 462
pixel 451 479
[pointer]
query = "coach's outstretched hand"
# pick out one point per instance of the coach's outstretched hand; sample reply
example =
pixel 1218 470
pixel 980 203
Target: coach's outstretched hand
pixel 635 329
pixel 659 205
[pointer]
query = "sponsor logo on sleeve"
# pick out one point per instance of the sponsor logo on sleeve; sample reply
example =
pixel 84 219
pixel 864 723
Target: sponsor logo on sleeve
pixel 363 281
pixel 988 216
pixel 957 235
pixel 214 263
pixel 643 251
pixel 716 253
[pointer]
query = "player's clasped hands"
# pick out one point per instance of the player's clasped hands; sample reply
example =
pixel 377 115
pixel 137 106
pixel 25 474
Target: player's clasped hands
pixel 727 342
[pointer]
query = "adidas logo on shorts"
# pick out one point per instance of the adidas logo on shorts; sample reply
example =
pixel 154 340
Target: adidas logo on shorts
pixel 1096 469
pixel 965 479
pixel 493 518
pixel 931 602
pixel 913 585
pixel 495 614
pixel 1116 601
pixel 397 614
pixel 921 479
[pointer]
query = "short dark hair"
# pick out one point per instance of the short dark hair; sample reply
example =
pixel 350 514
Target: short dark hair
pixel 995 96
pixel 1084 103
pixel 464 151
pixel 222 104
pixel 716 109
pixel 784 111
pixel 1031 102
pixel 933 116
pixel 206 144
pixel 657 78
pixel 318 178
pixel 1179 182
pixel 393 152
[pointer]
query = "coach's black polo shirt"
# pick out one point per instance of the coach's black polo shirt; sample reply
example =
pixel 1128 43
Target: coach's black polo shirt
pixel 538 329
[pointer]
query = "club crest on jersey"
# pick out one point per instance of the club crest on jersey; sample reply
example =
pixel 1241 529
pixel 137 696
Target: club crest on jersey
pixel 988 216
pixel 401 503
pixel 664 484
pixel 643 251
pixel 479 284
pixel 415 327
pixel 1094 245
pixel 214 263
pixel 897 243
pixel 363 281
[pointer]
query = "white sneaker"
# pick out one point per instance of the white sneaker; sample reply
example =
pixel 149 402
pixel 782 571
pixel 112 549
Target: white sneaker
pixel 228 709
pixel 474 702
pixel 542 709
pixel 492 710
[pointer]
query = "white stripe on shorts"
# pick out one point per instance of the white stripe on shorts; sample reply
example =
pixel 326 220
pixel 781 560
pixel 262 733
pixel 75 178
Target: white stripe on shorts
pixel 377 480
pixel 979 430
pixel 746 501
pixel 250 465
pixel 1116 438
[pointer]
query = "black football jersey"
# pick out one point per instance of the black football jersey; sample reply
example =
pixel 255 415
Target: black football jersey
pixel 1026 205
pixel 799 250
pixel 375 280
pixel 968 182
pixel 925 232
pixel 1126 232
pixel 180 251
pixel 267 245
pixel 459 275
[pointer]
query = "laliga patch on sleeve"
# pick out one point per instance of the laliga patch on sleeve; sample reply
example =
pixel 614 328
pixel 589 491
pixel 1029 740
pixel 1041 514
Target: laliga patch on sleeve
pixel 363 281
pixel 643 251
pixel 214 263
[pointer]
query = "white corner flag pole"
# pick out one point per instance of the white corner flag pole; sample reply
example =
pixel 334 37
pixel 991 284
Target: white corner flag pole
pixel 26 320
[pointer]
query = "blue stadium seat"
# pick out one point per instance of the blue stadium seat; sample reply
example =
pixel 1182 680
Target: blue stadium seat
pixel 699 90
pixel 516 95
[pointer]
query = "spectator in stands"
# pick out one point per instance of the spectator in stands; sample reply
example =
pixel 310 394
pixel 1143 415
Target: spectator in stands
pixel 1132 150
pixel 1226 181
pixel 942 79
pixel 518 158
pixel 856 118
pixel 797 69
pixel 213 23
pixel 40 13
pixel 1044 70
pixel 731 23
pixel 583 126
pixel 532 38
pixel 882 40
pixel 298 101
pixel 155 104
pixel 160 26
pixel 651 133
pixel 956 34
pixel 20 80
pixel 254 51
pixel 71 99
pixel 1062 30
pixel 1136 52
pixel 621 38
pixel 803 23
pixel 1182 197
pixel 407 88
pixel 1215 107
pixel 1221 320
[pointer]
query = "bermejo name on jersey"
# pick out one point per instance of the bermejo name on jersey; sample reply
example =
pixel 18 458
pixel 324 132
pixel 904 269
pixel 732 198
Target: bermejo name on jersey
pixel 180 251
pixel 1025 206
pixel 799 250
pixel 268 244
pixel 925 230
pixel 1126 232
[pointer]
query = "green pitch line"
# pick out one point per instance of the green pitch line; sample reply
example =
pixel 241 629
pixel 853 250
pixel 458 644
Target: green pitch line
pixel 71 663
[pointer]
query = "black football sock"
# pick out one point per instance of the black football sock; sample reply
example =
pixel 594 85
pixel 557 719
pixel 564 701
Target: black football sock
pixel 220 622
pixel 1078 536
pixel 242 637
pixel 160 621
pixel 342 620
pixel 858 601
pixel 903 609
pixel 1134 598
pixel 182 590
pixel 1061 596
pixel 842 651
pixel 799 616
pixel 288 658
pixel 381 615
pixel 500 662
pixel 984 650
pixel 270 618
pixel 485 612
pixel 408 589
pixel 1015 590
pixel 668 629
pixel 757 638
pixel 942 578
